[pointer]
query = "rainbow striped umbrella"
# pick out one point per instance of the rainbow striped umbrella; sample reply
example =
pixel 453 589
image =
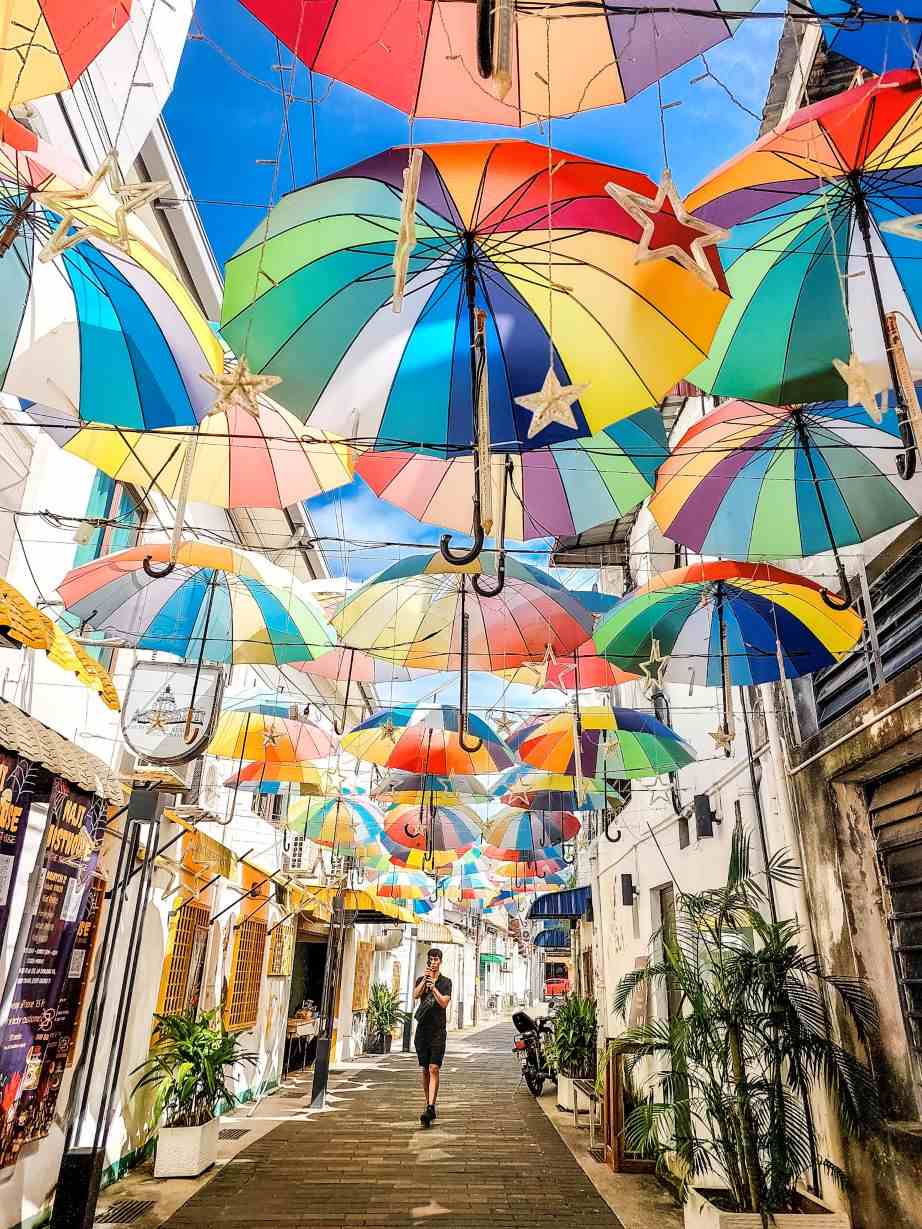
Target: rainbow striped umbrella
pixel 468 881
pixel 267 739
pixel 728 621
pixel 401 884
pixel 262 700
pixel 559 491
pixel 333 822
pixel 426 739
pixel 289 780
pixel 751 481
pixel 425 787
pixel 538 853
pixel 538 870
pixel 513 829
pixel 419 859
pixel 413 612
pixel 225 604
pixel 527 788
pixel 447 827
pixel 876 44
pixel 623 333
pixel 614 742
pixel 581 669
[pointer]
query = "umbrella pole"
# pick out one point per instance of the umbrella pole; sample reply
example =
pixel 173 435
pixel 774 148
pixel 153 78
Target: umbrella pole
pixel 341 728
pixel 212 585
pixel 726 684
pixel 476 321
pixel 906 461
pixel 464 683
pixel 243 747
pixel 847 599
pixel 477 581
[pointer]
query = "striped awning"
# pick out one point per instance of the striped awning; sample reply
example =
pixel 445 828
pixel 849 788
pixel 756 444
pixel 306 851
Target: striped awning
pixel 571 903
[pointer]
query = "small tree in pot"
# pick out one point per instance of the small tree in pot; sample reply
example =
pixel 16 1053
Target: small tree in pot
pixel 383 1015
pixel 574 1045
pixel 188 1067
pixel 751 1036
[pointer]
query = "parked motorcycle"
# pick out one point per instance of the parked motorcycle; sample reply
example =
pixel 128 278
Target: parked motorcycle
pixel 530 1046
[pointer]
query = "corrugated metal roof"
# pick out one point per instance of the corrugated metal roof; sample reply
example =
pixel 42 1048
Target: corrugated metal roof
pixel 573 902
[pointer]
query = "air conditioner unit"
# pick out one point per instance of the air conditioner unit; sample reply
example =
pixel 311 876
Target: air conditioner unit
pixel 388 938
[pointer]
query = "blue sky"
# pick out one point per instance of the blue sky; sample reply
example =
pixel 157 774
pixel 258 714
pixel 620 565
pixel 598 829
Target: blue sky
pixel 226 117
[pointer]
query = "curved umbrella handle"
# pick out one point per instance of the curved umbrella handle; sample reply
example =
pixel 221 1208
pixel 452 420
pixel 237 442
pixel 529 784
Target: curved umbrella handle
pixel 484 590
pixel 412 835
pixel 563 855
pixel 471 748
pixel 485 38
pixel 147 563
pixel 837 601
pixel 606 829
pixel 906 461
pixel 460 558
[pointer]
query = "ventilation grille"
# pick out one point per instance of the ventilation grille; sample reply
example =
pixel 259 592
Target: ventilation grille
pixel 125 1212
pixel 233 1132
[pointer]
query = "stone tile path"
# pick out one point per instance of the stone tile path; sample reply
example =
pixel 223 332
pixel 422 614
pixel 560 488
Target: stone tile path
pixel 491 1159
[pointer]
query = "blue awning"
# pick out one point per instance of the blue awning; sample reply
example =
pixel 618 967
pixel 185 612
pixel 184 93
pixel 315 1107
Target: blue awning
pixel 556 938
pixel 572 903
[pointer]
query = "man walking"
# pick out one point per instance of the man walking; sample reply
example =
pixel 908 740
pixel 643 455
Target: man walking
pixel 434 992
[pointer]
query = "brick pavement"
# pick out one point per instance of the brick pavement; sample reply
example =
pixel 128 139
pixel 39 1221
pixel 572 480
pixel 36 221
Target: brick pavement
pixel 491 1159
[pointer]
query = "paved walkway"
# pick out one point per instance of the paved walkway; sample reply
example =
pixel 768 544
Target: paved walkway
pixel 491 1159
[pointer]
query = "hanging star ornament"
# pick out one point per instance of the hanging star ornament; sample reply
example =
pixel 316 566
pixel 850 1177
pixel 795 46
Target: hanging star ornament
pixel 552 403
pixel 70 204
pixel 722 739
pixel 653 669
pixel 660 791
pixel 670 232
pixel 863 386
pixel 909 227
pixel 239 388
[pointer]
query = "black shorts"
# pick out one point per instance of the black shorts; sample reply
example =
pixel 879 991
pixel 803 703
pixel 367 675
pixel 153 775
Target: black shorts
pixel 430 1047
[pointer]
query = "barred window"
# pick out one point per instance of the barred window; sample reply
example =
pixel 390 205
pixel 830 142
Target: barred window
pixel 181 983
pixel 281 950
pixel 246 975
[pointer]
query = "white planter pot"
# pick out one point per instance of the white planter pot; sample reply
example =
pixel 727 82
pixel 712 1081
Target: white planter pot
pixel 565 1092
pixel 700 1213
pixel 186 1152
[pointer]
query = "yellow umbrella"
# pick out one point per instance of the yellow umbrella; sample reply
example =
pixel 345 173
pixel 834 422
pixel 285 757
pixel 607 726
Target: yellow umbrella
pixel 266 739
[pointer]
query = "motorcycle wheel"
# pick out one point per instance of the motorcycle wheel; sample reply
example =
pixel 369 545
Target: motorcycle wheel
pixel 535 1083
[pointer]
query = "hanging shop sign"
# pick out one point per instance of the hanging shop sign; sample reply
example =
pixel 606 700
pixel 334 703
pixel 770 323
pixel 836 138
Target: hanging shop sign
pixel 170 710
pixel 18 777
pixel 36 1038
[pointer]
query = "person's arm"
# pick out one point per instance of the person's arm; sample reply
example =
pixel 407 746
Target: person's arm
pixel 442 999
pixel 420 987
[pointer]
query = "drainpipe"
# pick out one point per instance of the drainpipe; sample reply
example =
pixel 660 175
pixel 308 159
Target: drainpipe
pixel 783 795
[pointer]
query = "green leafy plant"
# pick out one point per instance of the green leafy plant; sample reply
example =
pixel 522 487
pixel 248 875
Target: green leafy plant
pixel 384 1011
pixel 189 1064
pixel 574 1040
pixel 750 1036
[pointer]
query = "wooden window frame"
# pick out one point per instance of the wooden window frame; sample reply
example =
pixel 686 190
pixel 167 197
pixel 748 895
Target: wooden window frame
pixel 183 937
pixel 281 950
pixel 244 986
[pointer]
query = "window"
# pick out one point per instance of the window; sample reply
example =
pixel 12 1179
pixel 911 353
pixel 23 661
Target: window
pixel 281 950
pixel 242 1005
pixel 270 807
pixel 666 897
pixel 895 808
pixel 684 835
pixel 181 983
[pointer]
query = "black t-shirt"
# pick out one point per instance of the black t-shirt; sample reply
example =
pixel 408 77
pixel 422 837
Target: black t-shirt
pixel 435 1019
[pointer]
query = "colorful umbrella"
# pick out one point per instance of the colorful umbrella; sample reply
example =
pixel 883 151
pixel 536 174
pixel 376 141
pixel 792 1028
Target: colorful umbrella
pixel 433 59
pixel 538 853
pixel 614 742
pixel 524 787
pixel 555 491
pixel 409 787
pixel 485 244
pixel 529 870
pixel 274 778
pixel 581 669
pixel 812 263
pixel 217 602
pixel 334 822
pixel 761 482
pixel 522 830
pixel 426 740
pixel 261 700
pixel 267 739
pixel 401 884
pixel 447 827
pixel 416 859
pixel 467 881
pixel 414 612
pixel 46 45
pixel 240 461
pixel 73 657
pixel 711 621
pixel 885 37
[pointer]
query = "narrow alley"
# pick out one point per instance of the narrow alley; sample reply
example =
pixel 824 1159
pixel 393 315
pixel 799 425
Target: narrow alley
pixel 492 1157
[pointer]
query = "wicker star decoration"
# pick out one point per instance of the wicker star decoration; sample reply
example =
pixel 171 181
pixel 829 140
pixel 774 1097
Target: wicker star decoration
pixel 909 227
pixel 670 233
pixel 239 388
pixel 653 669
pixel 863 387
pixel 723 739
pixel 551 403
pixel 69 204
pixel 660 791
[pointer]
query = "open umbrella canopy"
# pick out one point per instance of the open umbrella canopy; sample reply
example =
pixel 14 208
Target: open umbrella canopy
pixel 419 859
pixel 710 618
pixel 262 700
pixel 410 787
pixel 426 57
pixel 523 787
pixel 560 491
pixel 308 298
pixel 402 884
pixel 447 827
pixel 228 604
pixel 241 461
pixel 755 481
pixel 538 853
pixel 614 742
pixel 539 870
pixel 266 739
pixel 288 779
pixel 468 880
pixel 582 669
pixel 343 820
pixel 341 664
pixel 412 613
pixel 807 206
pixel 522 830
pixel 877 45
pixel 425 739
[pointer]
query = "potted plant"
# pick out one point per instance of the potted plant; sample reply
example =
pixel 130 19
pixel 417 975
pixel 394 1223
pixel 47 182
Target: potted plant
pixel 574 1047
pixel 188 1066
pixel 383 1016
pixel 724 1106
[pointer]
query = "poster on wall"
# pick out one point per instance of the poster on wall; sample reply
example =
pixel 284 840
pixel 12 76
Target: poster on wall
pixel 35 1040
pixel 18 778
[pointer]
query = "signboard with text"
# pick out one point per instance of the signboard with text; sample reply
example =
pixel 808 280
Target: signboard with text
pixel 170 710
pixel 18 778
